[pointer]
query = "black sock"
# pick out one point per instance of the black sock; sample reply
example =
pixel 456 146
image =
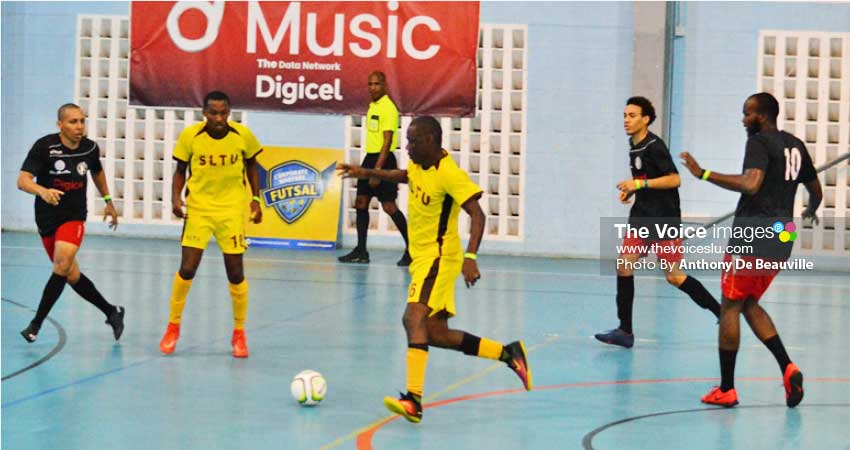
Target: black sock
pixel 86 289
pixel 625 300
pixel 700 295
pixel 470 344
pixel 775 346
pixel 400 223
pixel 727 369
pixel 52 291
pixel 362 228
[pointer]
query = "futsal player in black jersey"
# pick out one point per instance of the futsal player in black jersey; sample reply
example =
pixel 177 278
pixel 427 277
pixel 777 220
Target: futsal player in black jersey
pixel 775 163
pixel 56 171
pixel 655 187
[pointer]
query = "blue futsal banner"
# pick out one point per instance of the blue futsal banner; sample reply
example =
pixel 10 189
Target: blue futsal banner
pixel 300 198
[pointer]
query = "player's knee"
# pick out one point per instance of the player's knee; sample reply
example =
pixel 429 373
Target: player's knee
pixel 361 203
pixel 675 279
pixel 187 272
pixel 73 277
pixel 389 207
pixel 728 342
pixel 235 276
pixel 625 271
pixel 62 265
pixel 412 320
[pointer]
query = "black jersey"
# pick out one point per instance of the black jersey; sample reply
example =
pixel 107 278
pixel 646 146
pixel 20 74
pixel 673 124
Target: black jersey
pixel 786 163
pixel 58 167
pixel 650 159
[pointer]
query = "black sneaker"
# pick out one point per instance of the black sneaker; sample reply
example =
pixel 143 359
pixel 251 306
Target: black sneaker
pixel 30 333
pixel 518 362
pixel 116 321
pixel 356 256
pixel 616 337
pixel 405 260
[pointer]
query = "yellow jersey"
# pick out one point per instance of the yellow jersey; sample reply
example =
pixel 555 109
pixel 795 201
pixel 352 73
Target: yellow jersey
pixel 382 116
pixel 216 185
pixel 433 205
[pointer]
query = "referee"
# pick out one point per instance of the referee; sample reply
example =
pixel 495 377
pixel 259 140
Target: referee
pixel 381 141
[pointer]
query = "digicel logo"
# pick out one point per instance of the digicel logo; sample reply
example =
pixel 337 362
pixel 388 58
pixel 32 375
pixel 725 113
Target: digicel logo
pixel 361 26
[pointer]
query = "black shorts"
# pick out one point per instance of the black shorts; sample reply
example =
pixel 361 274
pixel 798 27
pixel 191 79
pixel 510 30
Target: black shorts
pixel 386 190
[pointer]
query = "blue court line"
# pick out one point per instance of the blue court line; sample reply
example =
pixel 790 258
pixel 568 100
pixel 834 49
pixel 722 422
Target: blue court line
pixel 74 383
pixel 298 316
pixel 674 296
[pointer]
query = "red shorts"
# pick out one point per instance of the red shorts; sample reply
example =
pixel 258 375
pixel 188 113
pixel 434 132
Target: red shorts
pixel 70 232
pixel 669 250
pixel 741 284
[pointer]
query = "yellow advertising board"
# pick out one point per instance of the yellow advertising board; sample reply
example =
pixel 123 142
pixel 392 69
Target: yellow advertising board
pixel 300 198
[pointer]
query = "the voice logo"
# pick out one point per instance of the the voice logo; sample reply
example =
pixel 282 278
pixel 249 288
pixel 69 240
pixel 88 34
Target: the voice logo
pixel 365 35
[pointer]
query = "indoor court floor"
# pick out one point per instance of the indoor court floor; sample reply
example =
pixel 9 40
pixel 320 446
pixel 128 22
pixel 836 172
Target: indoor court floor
pixel 75 388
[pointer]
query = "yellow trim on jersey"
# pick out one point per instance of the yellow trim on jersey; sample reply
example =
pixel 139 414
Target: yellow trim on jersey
pixel 216 168
pixel 433 205
pixel 382 116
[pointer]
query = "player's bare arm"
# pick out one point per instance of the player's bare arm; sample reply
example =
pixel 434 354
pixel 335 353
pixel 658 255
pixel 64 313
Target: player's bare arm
pixel 748 183
pixel 253 171
pixel 476 215
pixel 815 197
pixel 355 171
pixel 26 183
pixel 669 181
pixel 178 181
pixel 109 210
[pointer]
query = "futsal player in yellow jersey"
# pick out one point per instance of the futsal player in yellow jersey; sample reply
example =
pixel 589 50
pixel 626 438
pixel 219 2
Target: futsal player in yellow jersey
pixel 438 190
pixel 220 155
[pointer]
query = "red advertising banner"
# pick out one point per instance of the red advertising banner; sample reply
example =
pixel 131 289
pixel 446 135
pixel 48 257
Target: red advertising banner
pixel 310 57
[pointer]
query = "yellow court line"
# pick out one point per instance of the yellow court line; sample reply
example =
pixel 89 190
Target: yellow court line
pixel 353 435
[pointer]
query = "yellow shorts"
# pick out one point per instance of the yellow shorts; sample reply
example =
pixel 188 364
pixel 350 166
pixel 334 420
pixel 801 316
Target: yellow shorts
pixel 432 282
pixel 229 232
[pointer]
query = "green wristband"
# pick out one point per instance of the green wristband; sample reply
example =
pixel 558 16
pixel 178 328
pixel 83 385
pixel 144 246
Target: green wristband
pixel 256 198
pixel 638 184
pixel 705 174
pixel 471 256
pixel 107 198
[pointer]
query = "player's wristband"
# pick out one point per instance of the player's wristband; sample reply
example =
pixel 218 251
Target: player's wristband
pixel 256 198
pixel 471 256
pixel 646 184
pixel 638 185
pixel 705 174
pixel 107 198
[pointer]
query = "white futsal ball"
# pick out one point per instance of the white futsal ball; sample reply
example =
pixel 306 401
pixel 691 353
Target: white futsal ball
pixel 309 387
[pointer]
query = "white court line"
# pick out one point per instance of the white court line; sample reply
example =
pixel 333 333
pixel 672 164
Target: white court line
pixel 393 266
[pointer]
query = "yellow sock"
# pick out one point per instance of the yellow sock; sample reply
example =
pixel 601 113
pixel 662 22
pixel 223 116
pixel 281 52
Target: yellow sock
pixel 179 291
pixel 239 294
pixel 489 349
pixel 417 360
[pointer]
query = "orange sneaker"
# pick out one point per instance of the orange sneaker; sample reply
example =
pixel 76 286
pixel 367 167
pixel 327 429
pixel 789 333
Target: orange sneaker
pixel 169 340
pixel 240 347
pixel 407 405
pixel 717 397
pixel 793 381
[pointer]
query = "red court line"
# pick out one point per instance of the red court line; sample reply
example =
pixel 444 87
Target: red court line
pixel 364 439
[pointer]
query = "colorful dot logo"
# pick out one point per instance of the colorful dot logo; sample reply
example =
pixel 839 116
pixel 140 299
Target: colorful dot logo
pixel 787 232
